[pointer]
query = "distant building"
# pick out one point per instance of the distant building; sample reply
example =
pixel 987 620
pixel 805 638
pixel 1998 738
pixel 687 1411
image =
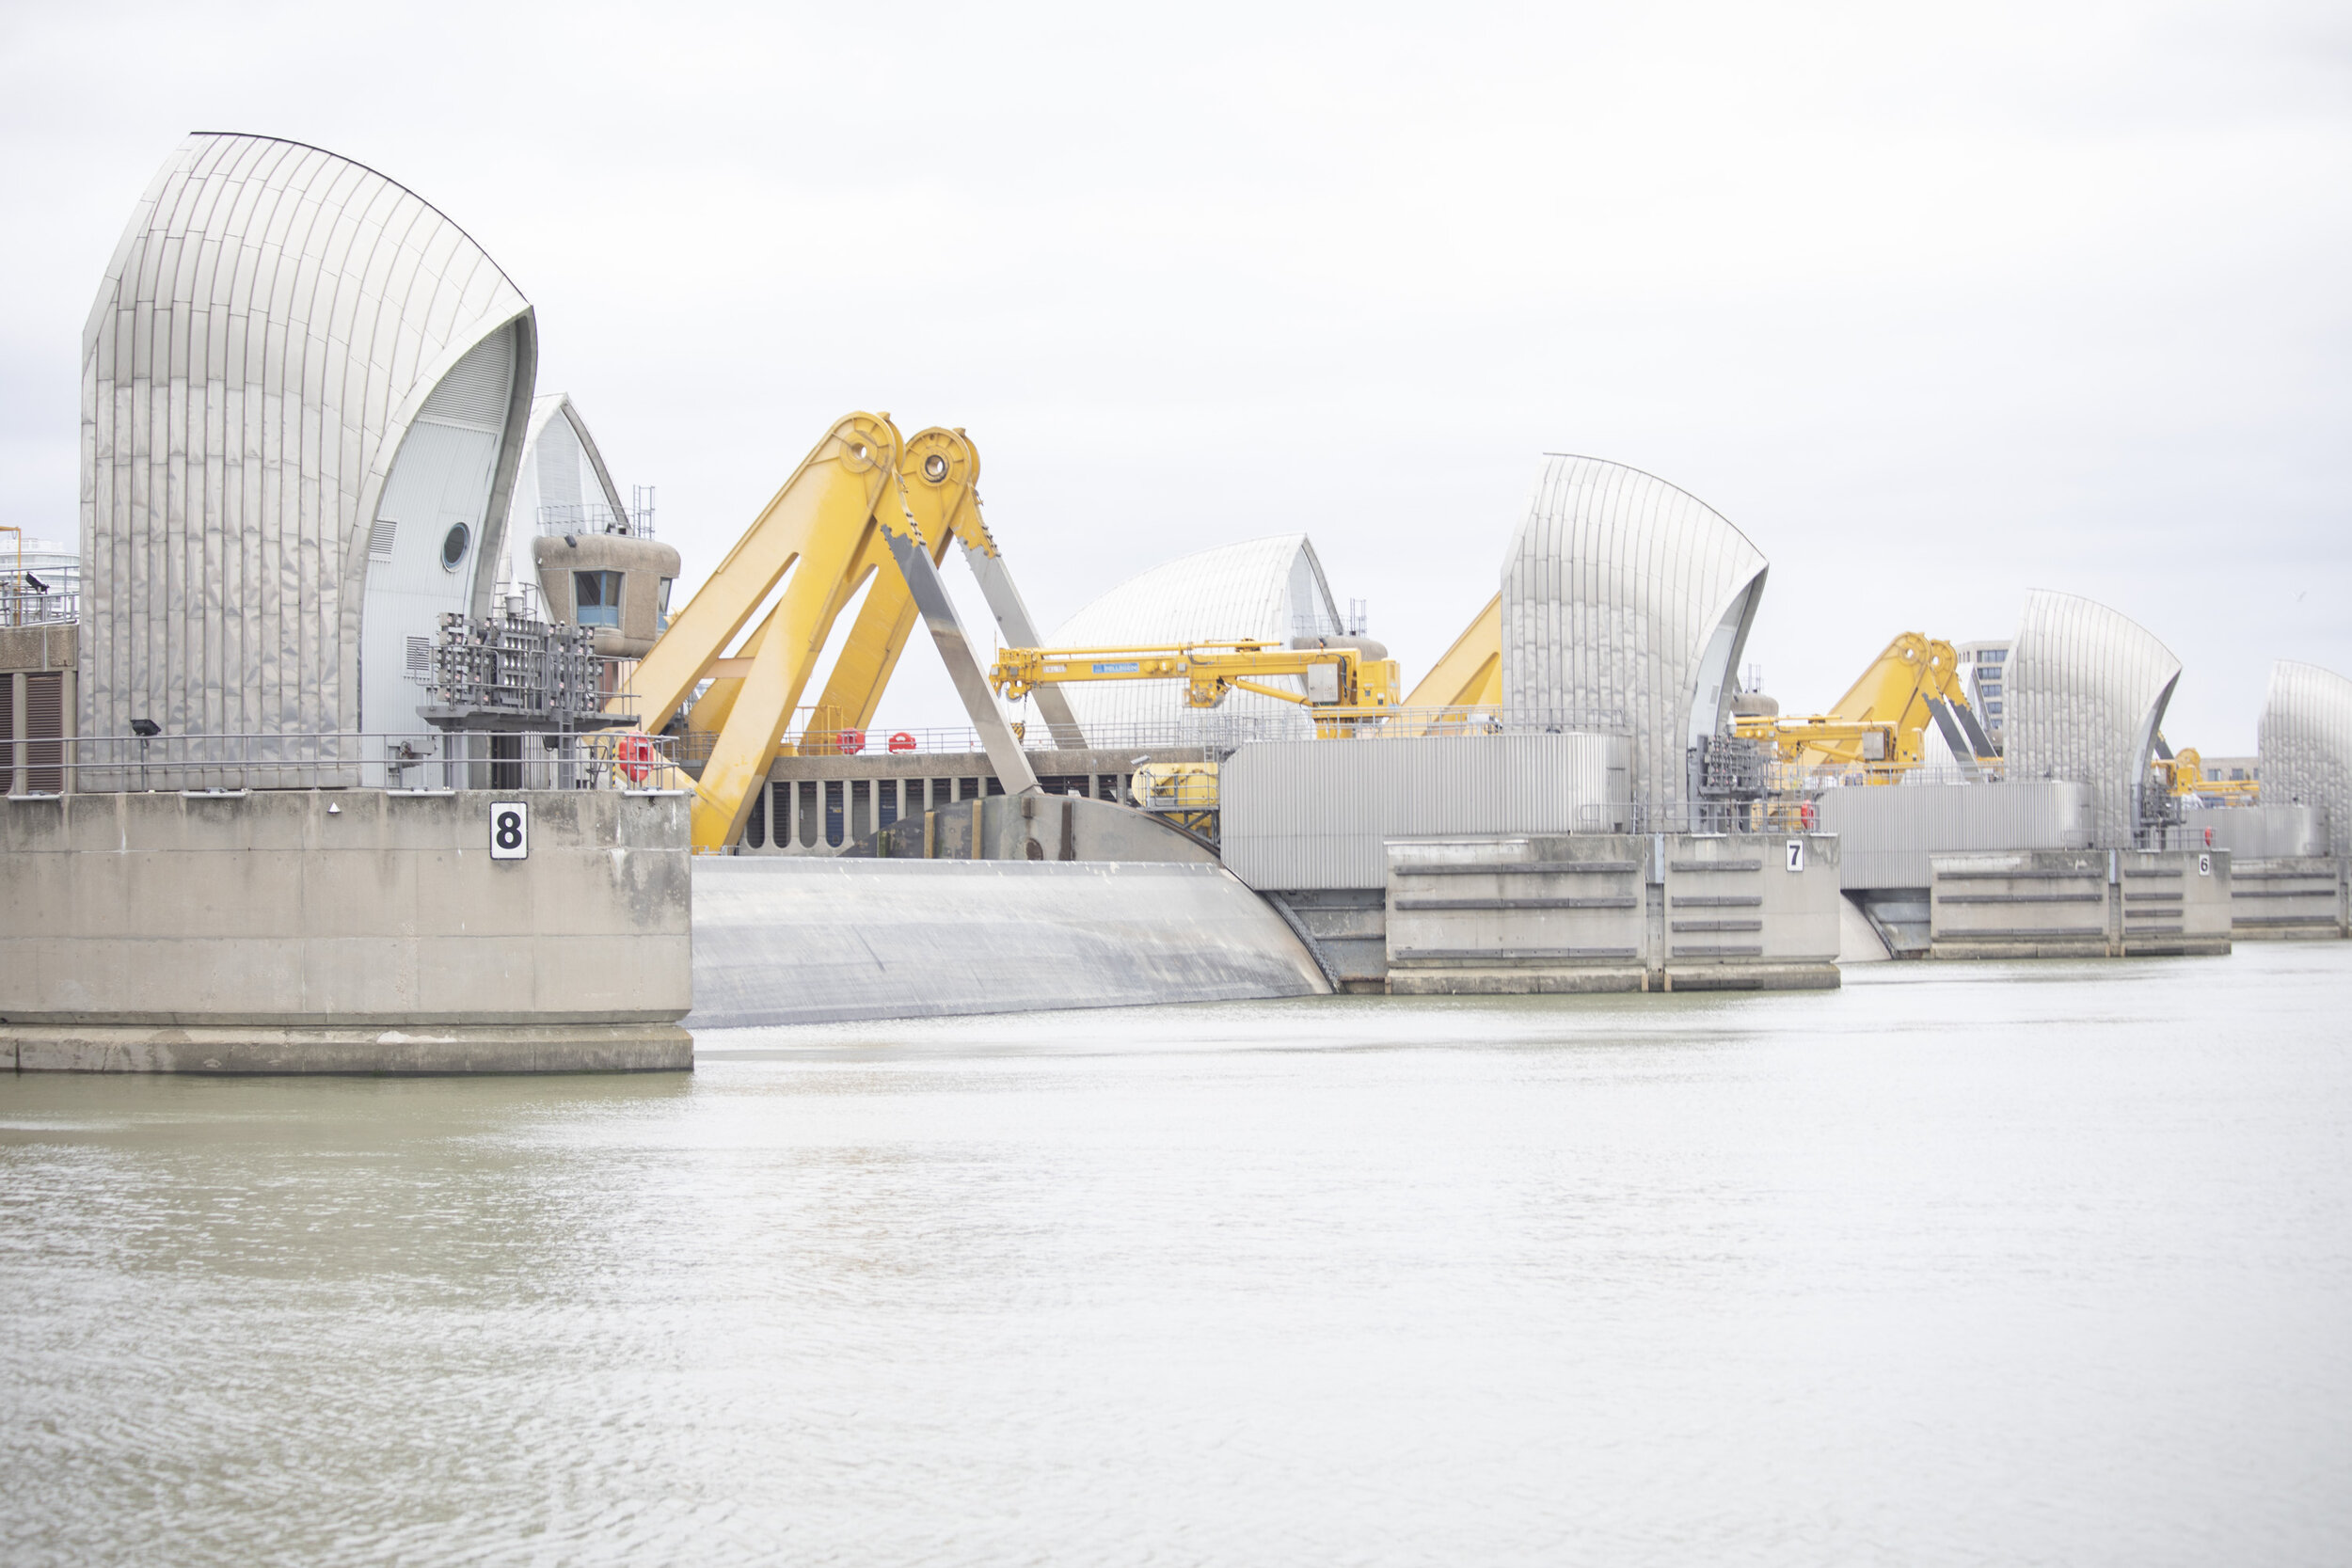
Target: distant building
pixel 1984 675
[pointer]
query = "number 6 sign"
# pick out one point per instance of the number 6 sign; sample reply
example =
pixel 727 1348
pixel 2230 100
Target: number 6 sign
pixel 510 830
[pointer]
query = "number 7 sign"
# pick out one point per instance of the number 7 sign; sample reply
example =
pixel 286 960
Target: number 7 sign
pixel 510 830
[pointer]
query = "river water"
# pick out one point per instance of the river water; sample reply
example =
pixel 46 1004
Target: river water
pixel 1962 1264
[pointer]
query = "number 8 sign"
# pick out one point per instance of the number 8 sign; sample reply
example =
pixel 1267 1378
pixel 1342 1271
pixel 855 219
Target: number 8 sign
pixel 510 830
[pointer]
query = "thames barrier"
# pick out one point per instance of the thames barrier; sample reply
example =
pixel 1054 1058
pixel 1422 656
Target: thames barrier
pixel 357 732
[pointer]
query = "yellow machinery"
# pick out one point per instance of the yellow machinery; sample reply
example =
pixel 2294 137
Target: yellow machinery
pixel 1340 682
pixel 2183 773
pixel 1471 673
pixel 1184 792
pixel 865 504
pixel 1880 724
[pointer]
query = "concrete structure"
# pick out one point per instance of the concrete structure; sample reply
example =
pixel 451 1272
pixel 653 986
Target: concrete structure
pixel 800 940
pixel 2288 898
pixel 592 558
pixel 1042 828
pixel 1269 590
pixel 2306 743
pixel 1626 599
pixel 304 394
pixel 829 805
pixel 344 932
pixel 1613 911
pixel 37 692
pixel 2081 903
pixel 2086 692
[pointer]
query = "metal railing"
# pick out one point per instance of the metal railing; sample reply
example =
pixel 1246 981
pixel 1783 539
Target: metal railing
pixel 596 517
pixel 41 590
pixel 816 734
pixel 431 760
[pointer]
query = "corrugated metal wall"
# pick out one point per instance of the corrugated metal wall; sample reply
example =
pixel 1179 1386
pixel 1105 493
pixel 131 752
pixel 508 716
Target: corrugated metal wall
pixel 271 319
pixel 1623 594
pixel 1317 814
pixel 2086 690
pixel 1888 831
pixel 2257 832
pixel 2306 741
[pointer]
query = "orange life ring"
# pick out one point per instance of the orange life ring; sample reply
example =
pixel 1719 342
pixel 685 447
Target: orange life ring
pixel 637 756
pixel 852 742
pixel 903 742
pixel 1805 816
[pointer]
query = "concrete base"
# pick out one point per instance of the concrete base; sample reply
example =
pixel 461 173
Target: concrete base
pixel 382 1052
pixel 1470 980
pixel 2081 903
pixel 1613 912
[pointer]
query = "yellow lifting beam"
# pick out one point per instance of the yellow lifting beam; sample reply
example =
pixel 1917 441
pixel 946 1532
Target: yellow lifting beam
pixel 863 500
pixel 1913 682
pixel 1470 674
pixel 1336 678
pixel 2183 774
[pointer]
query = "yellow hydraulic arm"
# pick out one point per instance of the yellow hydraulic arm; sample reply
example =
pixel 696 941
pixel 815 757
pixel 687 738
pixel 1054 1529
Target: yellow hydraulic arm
pixel 1913 682
pixel 2183 774
pixel 863 504
pixel 1471 673
pixel 1335 677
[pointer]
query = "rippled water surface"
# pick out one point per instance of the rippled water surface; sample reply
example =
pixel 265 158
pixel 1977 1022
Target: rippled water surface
pixel 1963 1264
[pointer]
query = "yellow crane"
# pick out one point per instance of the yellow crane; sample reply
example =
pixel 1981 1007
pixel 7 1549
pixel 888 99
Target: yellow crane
pixel 865 504
pixel 1881 724
pixel 2183 774
pixel 1340 682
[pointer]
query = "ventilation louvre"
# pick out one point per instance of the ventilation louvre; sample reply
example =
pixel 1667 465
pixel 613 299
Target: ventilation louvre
pixel 420 655
pixel 380 539
pixel 475 390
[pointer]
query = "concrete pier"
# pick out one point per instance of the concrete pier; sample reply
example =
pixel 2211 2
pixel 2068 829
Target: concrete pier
pixel 364 931
pixel 2080 904
pixel 1613 912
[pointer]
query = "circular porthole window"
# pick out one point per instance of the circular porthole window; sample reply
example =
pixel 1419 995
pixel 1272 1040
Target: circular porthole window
pixel 453 546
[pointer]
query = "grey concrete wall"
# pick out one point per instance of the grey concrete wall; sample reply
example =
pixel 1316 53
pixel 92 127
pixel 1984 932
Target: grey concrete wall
pixel 1889 831
pixel 1609 912
pixel 2285 899
pixel 782 940
pixel 344 931
pixel 48 646
pixel 2092 903
pixel 1042 828
pixel 879 787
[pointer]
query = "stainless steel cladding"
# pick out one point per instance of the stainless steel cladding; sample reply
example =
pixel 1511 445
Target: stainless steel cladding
pixel 1624 593
pixel 2306 742
pixel 2256 832
pixel 2087 689
pixel 1264 589
pixel 1889 833
pixel 280 330
pixel 1300 814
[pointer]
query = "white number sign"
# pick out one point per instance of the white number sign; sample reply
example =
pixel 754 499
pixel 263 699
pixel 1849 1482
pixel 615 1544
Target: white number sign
pixel 2204 865
pixel 1796 854
pixel 510 830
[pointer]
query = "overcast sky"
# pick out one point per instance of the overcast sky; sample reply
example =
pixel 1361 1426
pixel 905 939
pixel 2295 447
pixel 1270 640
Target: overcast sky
pixel 1936 308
